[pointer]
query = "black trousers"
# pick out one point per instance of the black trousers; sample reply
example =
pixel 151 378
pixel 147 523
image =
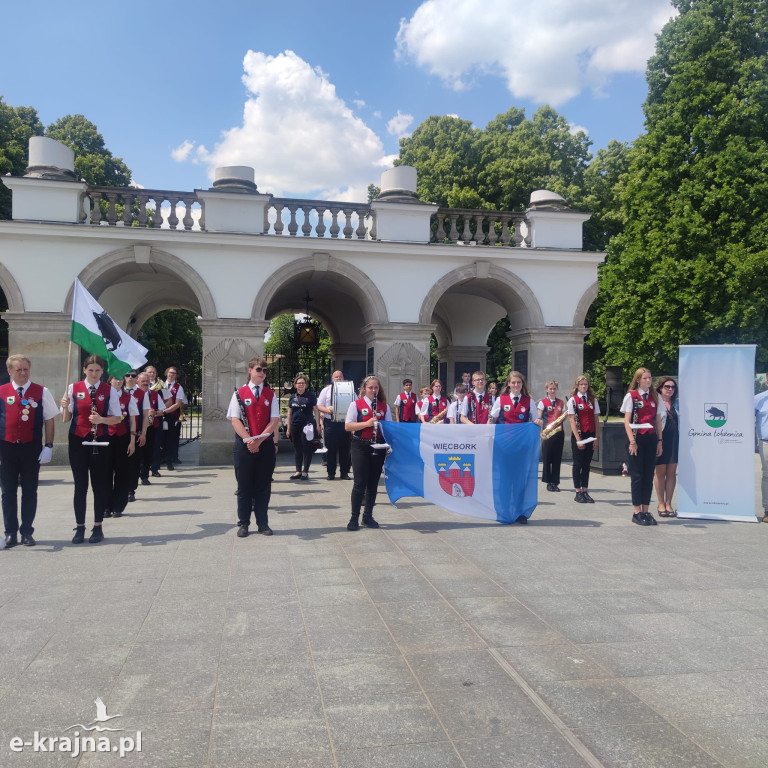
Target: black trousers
pixel 19 466
pixel 302 448
pixel 146 454
pixel 85 463
pixel 337 441
pixel 582 458
pixel 366 468
pixel 119 472
pixel 642 468
pixel 551 458
pixel 254 482
pixel 169 450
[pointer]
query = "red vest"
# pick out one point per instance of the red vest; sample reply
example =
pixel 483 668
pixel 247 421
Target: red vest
pixel 81 400
pixel 643 412
pixel 174 389
pixel 257 411
pixel 437 406
pixel 121 427
pixel 585 415
pixel 21 420
pixel 552 409
pixel 479 411
pixel 407 408
pixel 508 414
pixel 154 396
pixel 365 412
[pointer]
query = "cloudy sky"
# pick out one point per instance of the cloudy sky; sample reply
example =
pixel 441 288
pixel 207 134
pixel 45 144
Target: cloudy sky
pixel 315 95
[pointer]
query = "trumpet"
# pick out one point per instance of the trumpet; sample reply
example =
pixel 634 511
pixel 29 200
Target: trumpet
pixel 555 426
pixel 439 416
pixel 377 446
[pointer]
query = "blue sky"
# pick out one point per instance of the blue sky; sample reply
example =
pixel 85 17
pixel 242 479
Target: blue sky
pixel 315 95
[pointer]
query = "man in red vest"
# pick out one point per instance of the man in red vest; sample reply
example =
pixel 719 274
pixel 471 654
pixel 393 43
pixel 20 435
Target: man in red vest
pixel 254 413
pixel 27 413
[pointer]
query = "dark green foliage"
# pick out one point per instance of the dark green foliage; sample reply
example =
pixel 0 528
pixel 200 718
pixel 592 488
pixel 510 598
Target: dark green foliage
pixel 17 126
pixel 173 337
pixel 691 265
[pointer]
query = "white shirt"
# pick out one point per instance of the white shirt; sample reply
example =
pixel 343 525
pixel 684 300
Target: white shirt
pixel 50 409
pixel 234 406
pixel 114 400
pixel 464 407
pixel 496 408
pixel 180 396
pixel 324 399
pixel 572 405
pixel 425 404
pixel 452 410
pixel 352 412
pixel 146 404
pixel 626 404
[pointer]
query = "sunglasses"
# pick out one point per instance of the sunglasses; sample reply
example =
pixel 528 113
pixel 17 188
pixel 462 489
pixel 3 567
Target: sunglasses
pixel 259 369
pixel 131 375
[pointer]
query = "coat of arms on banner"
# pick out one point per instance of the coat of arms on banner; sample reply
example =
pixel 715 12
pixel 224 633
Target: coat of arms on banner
pixel 715 414
pixel 456 473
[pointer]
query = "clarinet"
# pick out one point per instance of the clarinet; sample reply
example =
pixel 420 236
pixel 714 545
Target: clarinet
pixel 375 420
pixel 243 414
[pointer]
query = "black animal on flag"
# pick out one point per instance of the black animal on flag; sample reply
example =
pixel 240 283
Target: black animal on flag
pixel 108 330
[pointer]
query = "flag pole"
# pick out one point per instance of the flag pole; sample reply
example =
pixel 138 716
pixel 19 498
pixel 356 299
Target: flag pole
pixel 66 381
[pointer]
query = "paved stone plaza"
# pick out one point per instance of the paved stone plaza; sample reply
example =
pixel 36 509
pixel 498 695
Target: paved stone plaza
pixel 437 641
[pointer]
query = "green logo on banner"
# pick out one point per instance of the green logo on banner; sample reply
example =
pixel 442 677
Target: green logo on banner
pixel 715 414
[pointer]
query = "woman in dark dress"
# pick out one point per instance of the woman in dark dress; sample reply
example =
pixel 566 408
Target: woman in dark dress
pixel 302 408
pixel 666 464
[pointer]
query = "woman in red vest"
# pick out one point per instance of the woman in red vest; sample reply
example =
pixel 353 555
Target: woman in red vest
pixel 583 410
pixel 91 405
pixel 515 405
pixel 362 420
pixel 550 409
pixel 122 444
pixel 642 423
pixel 434 405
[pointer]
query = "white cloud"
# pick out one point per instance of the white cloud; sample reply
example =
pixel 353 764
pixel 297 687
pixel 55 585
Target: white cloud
pixel 182 152
pixel 398 125
pixel 547 51
pixel 574 129
pixel 298 135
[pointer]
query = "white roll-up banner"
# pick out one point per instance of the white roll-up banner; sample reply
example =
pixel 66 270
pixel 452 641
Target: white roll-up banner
pixel 716 471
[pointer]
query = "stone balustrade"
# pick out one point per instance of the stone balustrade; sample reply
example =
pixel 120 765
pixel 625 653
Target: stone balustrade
pixel 132 207
pixel 319 218
pixel 479 227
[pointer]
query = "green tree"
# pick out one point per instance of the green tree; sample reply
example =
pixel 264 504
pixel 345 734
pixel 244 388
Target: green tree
pixel 173 337
pixel 93 161
pixel 691 264
pixel 17 126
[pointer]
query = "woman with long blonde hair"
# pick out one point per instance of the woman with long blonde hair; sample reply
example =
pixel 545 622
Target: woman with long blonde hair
pixel 583 410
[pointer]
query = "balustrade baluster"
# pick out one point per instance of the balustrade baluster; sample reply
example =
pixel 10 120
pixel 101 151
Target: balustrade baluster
pixel 320 228
pixel 202 216
pixel 453 237
pixel 293 226
pixel 466 232
pixel 173 219
pixel 360 231
pixel 157 214
pixel 518 236
pixel 127 212
pixel 335 228
pixel 348 226
pixel 188 221
pixel 440 231
pixel 142 218
pixel 493 237
pixel 373 225
pixel 505 229
pixel 279 226
pixel 111 208
pixel 479 233
pixel 306 227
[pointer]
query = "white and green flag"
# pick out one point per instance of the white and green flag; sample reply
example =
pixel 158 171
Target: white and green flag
pixel 95 331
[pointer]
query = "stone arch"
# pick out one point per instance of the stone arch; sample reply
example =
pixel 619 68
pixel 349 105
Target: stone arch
pixel 11 290
pixel 132 262
pixel 584 304
pixel 516 289
pixel 353 280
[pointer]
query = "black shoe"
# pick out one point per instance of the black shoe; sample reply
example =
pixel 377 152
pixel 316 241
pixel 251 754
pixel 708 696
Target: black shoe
pixel 79 536
pixel 550 486
pixel 171 468
pixel 369 522
pixel 353 524
pixel 119 514
pixel 639 518
pixel 242 531
pixel 11 540
pixel 107 513
pixel 97 535
pixel 27 540
pixel 650 518
pixel 580 498
pixel 265 531
pixel 177 460
pixel 555 488
pixel 131 497
pixel 587 498
pixel 346 477
pixel 155 473
pixel 145 481
pixel 523 520
pixel 331 477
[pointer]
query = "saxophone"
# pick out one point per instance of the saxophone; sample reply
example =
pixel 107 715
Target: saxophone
pixel 439 416
pixel 555 426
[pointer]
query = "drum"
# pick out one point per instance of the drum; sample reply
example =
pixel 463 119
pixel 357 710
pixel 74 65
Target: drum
pixel 343 396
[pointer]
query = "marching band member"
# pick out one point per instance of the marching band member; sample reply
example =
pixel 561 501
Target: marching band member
pixel 551 408
pixel 336 437
pixel 514 405
pixel 466 380
pixel 435 405
pixel 406 403
pixel 150 405
pixel 641 406
pixel 476 407
pixel 91 406
pixel 453 408
pixel 122 446
pixel 367 463
pixel 493 391
pixel 583 410
pixel 174 404
pixel 27 413
pixel 155 385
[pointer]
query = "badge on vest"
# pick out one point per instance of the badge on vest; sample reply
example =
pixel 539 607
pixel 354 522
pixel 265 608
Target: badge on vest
pixel 81 395
pixel 101 397
pixel 11 399
pixel 248 401
pixel 365 411
pixel 266 402
pixel 507 408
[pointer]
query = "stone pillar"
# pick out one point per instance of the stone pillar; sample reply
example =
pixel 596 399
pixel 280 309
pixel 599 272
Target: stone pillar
pixel 455 359
pixel 349 358
pixel 44 338
pixel 552 353
pixel 400 350
pixel 228 345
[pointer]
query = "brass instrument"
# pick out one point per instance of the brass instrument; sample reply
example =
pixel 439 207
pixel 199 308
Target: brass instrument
pixel 554 427
pixel 439 417
pixel 376 446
